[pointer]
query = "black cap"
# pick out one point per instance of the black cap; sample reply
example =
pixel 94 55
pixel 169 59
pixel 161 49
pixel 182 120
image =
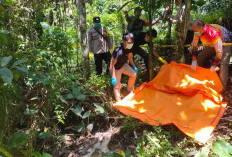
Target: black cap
pixel 138 9
pixel 96 19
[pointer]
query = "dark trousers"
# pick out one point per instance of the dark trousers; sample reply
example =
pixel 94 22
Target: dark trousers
pixel 187 53
pixel 98 62
pixel 205 57
pixel 142 53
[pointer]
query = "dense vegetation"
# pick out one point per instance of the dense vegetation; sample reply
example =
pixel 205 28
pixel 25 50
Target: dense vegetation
pixel 49 102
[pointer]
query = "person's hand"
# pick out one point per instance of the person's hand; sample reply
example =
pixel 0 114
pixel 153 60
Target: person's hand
pixel 113 81
pixel 111 50
pixel 214 68
pixel 135 69
pixel 162 60
pixel 194 64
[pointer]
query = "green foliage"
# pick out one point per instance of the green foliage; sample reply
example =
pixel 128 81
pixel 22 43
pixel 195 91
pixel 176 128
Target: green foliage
pixel 222 148
pixel 204 152
pixel 130 124
pixel 99 108
pixel 44 135
pixel 18 139
pixel 37 154
pixel 157 142
pixel 5 152
pixel 7 72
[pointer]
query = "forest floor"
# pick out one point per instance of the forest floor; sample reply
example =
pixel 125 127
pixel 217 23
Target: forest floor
pixel 121 140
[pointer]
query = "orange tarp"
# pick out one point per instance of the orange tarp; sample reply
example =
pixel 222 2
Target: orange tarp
pixel 190 99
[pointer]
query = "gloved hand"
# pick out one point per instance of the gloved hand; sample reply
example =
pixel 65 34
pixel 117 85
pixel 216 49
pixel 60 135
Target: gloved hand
pixel 194 64
pixel 214 68
pixel 111 50
pixel 162 60
pixel 136 70
pixel 113 81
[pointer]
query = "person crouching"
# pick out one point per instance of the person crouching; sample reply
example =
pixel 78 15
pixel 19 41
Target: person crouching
pixel 118 66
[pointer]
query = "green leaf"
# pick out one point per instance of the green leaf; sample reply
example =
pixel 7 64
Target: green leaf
pixel 18 62
pixel 77 110
pixel 5 152
pixel 86 114
pixel 200 2
pixel 98 106
pixel 90 127
pixel 68 96
pixel 6 75
pixel 30 112
pixel 79 127
pixel 76 91
pixel 36 154
pixel 111 154
pixel 5 32
pixel 222 148
pixel 61 98
pixel 21 69
pixel 45 25
pixel 44 135
pixel 46 155
pixel 81 97
pixel 6 60
pixel 18 139
pixel 204 152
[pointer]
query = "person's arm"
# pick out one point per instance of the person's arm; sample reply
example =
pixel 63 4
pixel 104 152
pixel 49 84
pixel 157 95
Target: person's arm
pixel 194 52
pixel 130 58
pixel 156 21
pixel 127 16
pixel 194 47
pixel 217 59
pixel 112 68
pixel 218 49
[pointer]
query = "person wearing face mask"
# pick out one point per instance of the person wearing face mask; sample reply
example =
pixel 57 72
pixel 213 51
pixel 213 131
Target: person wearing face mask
pixel 100 45
pixel 214 55
pixel 118 65
pixel 142 39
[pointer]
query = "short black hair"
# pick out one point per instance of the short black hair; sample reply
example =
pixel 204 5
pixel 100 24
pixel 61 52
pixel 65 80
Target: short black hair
pixel 138 9
pixel 126 36
pixel 153 33
pixel 199 23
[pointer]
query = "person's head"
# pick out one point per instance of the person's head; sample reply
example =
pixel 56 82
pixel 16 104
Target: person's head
pixel 128 40
pixel 97 21
pixel 179 2
pixel 198 27
pixel 137 11
pixel 153 34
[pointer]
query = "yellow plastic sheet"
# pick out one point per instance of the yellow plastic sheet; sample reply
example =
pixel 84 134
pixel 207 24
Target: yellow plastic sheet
pixel 189 99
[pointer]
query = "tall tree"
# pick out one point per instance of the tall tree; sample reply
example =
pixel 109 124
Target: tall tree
pixel 169 14
pixel 182 28
pixel 81 6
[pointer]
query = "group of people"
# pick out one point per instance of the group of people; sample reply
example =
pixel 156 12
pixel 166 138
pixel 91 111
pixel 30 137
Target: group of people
pixel 213 56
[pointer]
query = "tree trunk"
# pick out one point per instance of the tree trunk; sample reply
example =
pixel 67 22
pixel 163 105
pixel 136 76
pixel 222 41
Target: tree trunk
pixel 169 14
pixel 151 64
pixel 83 34
pixel 121 18
pixel 181 31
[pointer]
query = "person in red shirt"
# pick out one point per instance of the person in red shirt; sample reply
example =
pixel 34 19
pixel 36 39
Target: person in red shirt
pixel 213 56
